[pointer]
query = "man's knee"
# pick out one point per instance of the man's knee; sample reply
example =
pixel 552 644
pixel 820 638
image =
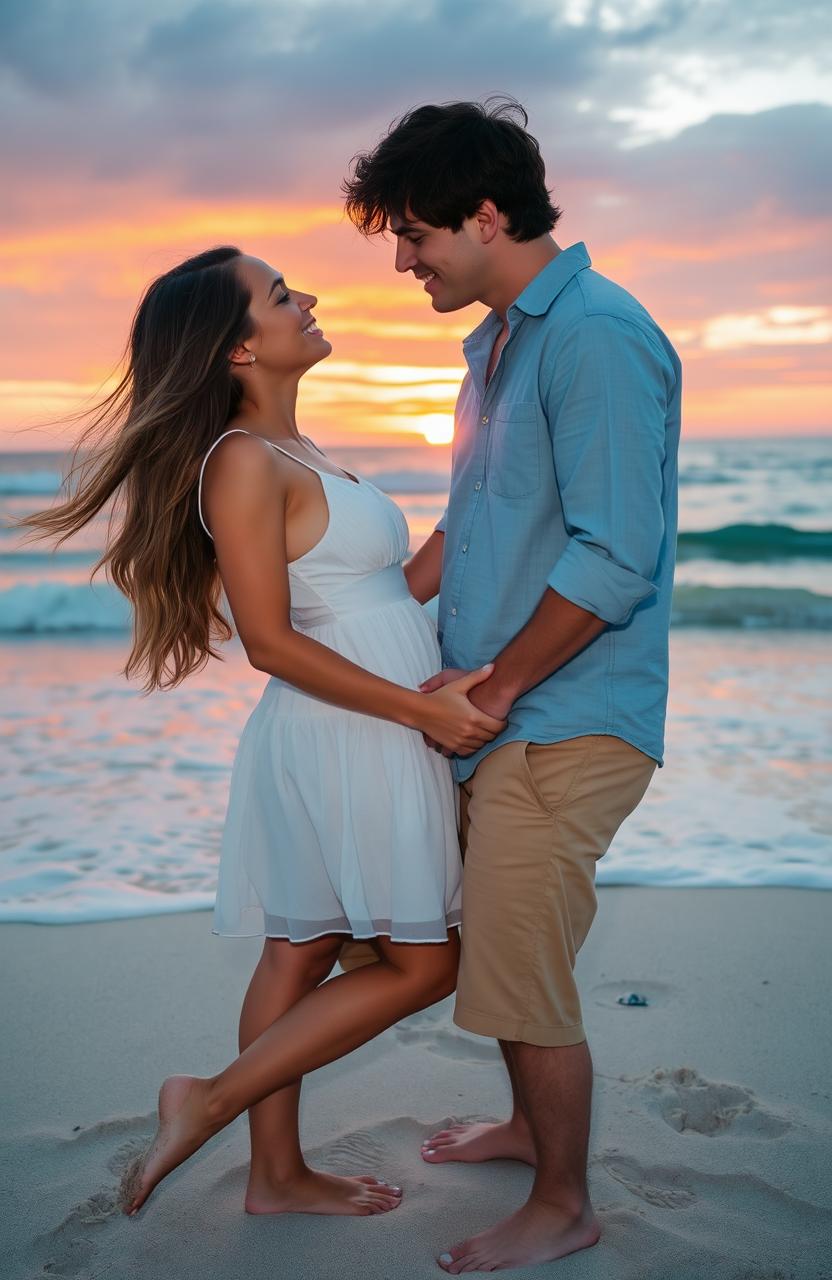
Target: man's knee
pixel 354 955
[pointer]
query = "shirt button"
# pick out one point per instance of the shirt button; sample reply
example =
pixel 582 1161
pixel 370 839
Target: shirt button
pixel 465 546
pixel 478 484
pixel 484 420
pixel 453 611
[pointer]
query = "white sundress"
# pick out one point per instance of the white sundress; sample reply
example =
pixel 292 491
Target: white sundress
pixel 340 822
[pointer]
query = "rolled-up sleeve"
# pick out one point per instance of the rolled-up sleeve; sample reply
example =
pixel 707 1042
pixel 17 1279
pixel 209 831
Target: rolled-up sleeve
pixel 607 406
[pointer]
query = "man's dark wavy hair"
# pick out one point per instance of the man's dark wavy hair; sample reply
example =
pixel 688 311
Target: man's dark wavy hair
pixel 438 164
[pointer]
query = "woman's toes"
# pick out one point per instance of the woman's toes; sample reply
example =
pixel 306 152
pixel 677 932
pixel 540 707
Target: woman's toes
pixel 379 1183
pixel 443 1138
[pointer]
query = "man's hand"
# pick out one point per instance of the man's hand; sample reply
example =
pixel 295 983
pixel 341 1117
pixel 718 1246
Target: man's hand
pixel 489 699
pixel 441 678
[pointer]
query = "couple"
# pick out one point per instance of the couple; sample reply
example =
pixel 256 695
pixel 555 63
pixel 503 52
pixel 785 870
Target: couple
pixel 365 764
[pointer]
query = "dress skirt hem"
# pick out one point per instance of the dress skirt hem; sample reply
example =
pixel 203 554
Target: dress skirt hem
pixel 453 921
pixel 356 937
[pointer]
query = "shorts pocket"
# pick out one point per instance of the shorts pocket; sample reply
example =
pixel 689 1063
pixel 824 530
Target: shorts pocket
pixel 554 768
pixel 513 463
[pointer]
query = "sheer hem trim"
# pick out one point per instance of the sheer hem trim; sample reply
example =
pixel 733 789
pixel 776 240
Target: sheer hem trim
pixel 308 931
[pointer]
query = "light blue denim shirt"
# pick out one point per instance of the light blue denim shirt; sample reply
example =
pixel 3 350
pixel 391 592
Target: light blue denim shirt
pixel 564 475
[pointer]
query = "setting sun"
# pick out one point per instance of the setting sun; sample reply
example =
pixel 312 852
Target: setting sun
pixel 437 428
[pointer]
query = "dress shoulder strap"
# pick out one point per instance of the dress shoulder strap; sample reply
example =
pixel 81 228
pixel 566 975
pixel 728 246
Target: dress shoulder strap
pixel 287 454
pixel 232 432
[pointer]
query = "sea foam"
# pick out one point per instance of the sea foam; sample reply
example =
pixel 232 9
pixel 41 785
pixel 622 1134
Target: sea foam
pixel 33 608
pixel 40 483
pixel 114 802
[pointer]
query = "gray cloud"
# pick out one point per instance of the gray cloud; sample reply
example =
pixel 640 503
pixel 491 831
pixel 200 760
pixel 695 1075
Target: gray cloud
pixel 225 98
pixel 729 163
pixel 61 51
pixel 360 57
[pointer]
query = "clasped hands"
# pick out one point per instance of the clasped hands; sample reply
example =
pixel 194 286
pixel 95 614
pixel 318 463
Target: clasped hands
pixel 487 709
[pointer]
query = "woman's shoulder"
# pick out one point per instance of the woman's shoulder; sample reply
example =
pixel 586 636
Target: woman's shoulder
pixel 241 453
pixel 241 470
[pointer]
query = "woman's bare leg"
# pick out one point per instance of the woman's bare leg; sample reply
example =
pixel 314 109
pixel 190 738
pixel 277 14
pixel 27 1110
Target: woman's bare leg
pixel 324 1025
pixel 279 1179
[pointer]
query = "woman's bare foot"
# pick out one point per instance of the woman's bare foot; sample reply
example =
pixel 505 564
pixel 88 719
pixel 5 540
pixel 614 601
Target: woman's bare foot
pixel 184 1126
pixel 534 1234
pixel 314 1192
pixel 509 1140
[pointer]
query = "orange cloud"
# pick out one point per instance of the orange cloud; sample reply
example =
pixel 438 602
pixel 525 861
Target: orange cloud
pixel 171 227
pixel 67 292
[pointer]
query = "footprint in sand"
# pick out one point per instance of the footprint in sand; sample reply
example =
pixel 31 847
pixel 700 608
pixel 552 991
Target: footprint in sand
pixel 385 1150
pixel 725 1204
pixel 451 1044
pixel 360 1150
pixel 69 1247
pixel 667 1192
pixel 691 1104
pixel 433 1030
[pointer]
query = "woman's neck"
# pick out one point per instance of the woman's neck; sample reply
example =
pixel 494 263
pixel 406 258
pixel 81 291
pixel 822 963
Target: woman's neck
pixel 270 412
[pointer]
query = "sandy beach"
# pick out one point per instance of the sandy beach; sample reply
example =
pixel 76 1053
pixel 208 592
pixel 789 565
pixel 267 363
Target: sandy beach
pixel 711 1129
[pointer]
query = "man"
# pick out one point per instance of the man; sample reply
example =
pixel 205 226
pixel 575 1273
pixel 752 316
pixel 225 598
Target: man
pixel 555 558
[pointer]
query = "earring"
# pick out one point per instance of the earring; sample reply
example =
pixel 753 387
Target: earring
pixel 251 357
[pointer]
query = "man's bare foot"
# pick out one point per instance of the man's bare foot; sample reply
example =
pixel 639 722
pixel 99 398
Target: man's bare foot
pixel 536 1233
pixel 314 1192
pixel 184 1126
pixel 509 1140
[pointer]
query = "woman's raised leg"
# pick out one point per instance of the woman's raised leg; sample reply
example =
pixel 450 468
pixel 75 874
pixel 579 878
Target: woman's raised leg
pixel 324 1025
pixel 279 1179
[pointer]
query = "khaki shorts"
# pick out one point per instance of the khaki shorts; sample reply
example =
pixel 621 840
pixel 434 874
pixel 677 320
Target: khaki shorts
pixel 535 819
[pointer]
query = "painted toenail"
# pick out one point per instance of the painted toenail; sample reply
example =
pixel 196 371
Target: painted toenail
pixel 396 1191
pixel 381 1182
pixel 445 1257
pixel 430 1151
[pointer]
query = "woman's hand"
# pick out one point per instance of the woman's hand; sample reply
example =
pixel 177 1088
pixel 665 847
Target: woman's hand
pixel 452 721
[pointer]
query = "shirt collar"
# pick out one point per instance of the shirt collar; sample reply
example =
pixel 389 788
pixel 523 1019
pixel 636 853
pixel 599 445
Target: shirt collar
pixel 540 292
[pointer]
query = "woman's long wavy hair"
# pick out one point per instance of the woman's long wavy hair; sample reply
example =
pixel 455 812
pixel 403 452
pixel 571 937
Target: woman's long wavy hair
pixel 145 444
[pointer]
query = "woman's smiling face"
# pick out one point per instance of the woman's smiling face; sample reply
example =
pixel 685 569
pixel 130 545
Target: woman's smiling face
pixel 286 338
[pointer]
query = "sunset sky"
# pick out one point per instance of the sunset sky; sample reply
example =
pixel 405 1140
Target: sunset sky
pixel 687 142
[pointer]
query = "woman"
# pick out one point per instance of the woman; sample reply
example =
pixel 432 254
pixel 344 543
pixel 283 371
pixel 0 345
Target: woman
pixel 341 820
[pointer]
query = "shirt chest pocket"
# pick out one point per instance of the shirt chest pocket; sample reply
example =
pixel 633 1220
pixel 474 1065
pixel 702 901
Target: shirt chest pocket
pixel 513 459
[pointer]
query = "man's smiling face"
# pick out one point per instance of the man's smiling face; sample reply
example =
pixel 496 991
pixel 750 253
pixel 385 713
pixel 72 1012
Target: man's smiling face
pixel 448 263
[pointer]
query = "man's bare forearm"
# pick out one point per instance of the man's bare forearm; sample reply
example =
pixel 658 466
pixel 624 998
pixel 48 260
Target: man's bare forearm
pixel 424 570
pixel 556 631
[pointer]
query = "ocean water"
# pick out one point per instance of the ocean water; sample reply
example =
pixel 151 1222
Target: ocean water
pixel 113 802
